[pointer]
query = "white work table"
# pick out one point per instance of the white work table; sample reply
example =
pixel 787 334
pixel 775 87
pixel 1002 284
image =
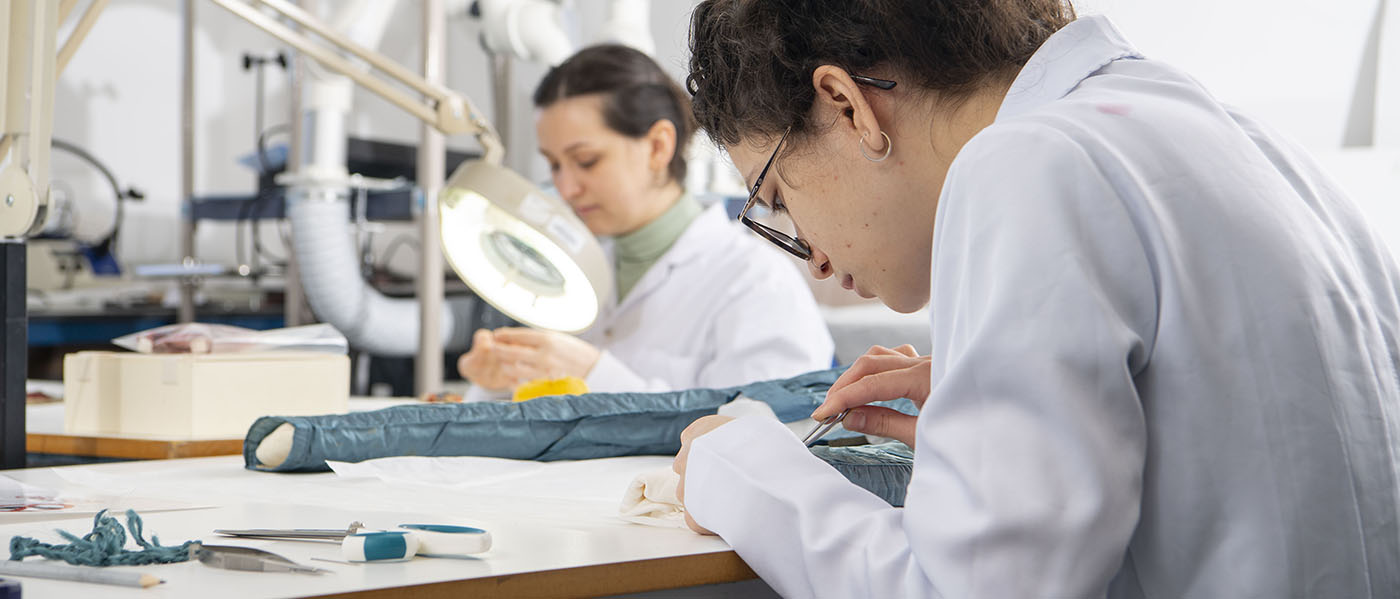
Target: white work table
pixel 46 434
pixel 556 531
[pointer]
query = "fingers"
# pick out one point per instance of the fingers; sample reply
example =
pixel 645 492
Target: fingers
pixel 521 336
pixel 496 364
pixel 838 399
pixel 696 527
pixel 907 350
pixel 678 466
pixel 701 426
pixel 692 431
pixel 882 422
pixel 911 382
pixel 880 350
pixel 508 353
pixel 464 365
pixel 875 359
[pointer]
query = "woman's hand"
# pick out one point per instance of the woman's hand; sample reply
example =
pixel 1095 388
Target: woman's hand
pixel 506 357
pixel 688 436
pixel 482 364
pixel 879 375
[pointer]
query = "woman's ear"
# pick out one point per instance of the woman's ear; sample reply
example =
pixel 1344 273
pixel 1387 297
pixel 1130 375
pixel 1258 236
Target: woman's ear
pixel 661 145
pixel 841 102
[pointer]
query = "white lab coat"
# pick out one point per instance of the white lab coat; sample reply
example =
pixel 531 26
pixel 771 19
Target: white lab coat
pixel 721 307
pixel 1164 365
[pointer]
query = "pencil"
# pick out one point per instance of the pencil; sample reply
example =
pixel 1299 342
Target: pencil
pixel 61 571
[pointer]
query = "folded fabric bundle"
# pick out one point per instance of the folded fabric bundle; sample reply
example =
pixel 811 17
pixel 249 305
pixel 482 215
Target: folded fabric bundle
pixel 651 499
pixel 566 427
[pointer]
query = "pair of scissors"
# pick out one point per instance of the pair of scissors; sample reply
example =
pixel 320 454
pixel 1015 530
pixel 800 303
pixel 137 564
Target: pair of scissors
pixel 361 544
pixel 248 559
pixel 824 427
pixel 333 535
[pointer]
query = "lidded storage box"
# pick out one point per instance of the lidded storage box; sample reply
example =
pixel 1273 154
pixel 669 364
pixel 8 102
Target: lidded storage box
pixel 207 396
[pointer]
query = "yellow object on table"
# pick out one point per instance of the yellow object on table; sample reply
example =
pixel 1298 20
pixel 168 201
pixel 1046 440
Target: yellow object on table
pixel 569 385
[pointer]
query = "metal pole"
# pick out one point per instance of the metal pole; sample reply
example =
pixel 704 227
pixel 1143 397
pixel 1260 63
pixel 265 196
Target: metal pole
pixel 431 173
pixel 187 224
pixel 14 354
pixel 1360 130
pixel 500 95
pixel 293 294
pixel 14 342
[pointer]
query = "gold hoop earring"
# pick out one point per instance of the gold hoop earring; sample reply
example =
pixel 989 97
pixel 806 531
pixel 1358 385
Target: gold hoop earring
pixel 888 146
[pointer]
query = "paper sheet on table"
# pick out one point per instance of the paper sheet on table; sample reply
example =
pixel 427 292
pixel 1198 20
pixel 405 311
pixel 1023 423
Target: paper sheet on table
pixel 600 479
pixel 16 496
pixel 22 502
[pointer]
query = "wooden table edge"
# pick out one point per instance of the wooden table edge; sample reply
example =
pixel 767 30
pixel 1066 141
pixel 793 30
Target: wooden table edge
pixel 582 581
pixel 124 447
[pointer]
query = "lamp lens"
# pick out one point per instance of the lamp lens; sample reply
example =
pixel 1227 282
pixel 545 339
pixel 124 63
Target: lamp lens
pixel 509 253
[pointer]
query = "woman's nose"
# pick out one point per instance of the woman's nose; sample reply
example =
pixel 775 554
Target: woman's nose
pixel 567 184
pixel 820 265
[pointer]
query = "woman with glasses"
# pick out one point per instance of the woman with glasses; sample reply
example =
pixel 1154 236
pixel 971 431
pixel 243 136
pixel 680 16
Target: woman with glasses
pixel 699 302
pixel 1164 353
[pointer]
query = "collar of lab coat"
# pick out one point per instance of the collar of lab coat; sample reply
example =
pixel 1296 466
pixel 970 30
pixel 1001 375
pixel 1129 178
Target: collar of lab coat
pixel 689 246
pixel 1070 56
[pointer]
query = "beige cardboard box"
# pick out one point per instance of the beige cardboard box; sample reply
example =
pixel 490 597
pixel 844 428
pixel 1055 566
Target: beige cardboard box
pixel 197 396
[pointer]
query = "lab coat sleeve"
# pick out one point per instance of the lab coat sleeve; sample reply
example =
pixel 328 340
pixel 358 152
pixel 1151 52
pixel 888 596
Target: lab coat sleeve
pixel 1031 446
pixel 610 375
pixel 477 393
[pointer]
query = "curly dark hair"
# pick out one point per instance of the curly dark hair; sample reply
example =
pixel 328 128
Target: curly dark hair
pixel 751 61
pixel 636 94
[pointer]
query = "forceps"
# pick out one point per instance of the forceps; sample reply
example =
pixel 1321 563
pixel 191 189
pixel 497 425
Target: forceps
pixel 824 427
pixel 230 557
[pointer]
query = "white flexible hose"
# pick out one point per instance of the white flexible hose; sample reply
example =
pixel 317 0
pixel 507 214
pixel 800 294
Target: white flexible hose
pixel 320 215
pixel 339 295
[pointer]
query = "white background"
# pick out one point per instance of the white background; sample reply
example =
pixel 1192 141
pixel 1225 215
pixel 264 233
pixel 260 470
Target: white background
pixel 1291 62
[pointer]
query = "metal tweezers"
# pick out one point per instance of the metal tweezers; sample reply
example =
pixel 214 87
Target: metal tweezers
pixel 824 427
pixel 249 559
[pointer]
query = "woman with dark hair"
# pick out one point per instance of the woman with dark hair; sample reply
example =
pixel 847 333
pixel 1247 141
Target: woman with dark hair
pixel 1164 353
pixel 699 302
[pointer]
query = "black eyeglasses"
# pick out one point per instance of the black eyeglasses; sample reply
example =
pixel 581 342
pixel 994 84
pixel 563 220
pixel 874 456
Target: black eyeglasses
pixel 790 243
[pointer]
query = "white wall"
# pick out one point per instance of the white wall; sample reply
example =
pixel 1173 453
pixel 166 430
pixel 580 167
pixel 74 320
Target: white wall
pixel 1292 62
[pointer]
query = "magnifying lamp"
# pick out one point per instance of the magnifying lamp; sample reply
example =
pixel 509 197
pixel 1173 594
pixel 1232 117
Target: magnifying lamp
pixel 524 252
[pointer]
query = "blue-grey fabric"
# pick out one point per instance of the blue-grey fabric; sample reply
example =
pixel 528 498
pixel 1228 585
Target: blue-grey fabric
pixel 883 469
pixel 566 427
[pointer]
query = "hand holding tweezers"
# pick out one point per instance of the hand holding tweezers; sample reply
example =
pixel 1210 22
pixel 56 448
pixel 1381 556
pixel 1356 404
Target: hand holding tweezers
pixel 824 427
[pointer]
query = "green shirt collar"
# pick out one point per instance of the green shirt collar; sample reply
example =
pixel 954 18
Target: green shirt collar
pixel 637 251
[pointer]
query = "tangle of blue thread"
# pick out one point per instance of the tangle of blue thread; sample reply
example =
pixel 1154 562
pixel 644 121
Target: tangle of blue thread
pixel 104 546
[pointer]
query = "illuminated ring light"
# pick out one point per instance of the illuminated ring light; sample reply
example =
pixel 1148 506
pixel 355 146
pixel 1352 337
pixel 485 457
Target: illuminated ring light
pixel 530 271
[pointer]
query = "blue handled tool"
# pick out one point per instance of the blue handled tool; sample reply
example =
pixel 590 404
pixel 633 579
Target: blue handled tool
pixel 446 540
pixel 361 544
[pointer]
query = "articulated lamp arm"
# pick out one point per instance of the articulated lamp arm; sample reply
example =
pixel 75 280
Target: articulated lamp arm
pixel 28 68
pixel 441 108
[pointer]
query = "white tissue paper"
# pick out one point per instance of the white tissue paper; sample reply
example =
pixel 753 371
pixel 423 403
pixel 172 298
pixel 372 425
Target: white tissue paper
pixel 651 497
